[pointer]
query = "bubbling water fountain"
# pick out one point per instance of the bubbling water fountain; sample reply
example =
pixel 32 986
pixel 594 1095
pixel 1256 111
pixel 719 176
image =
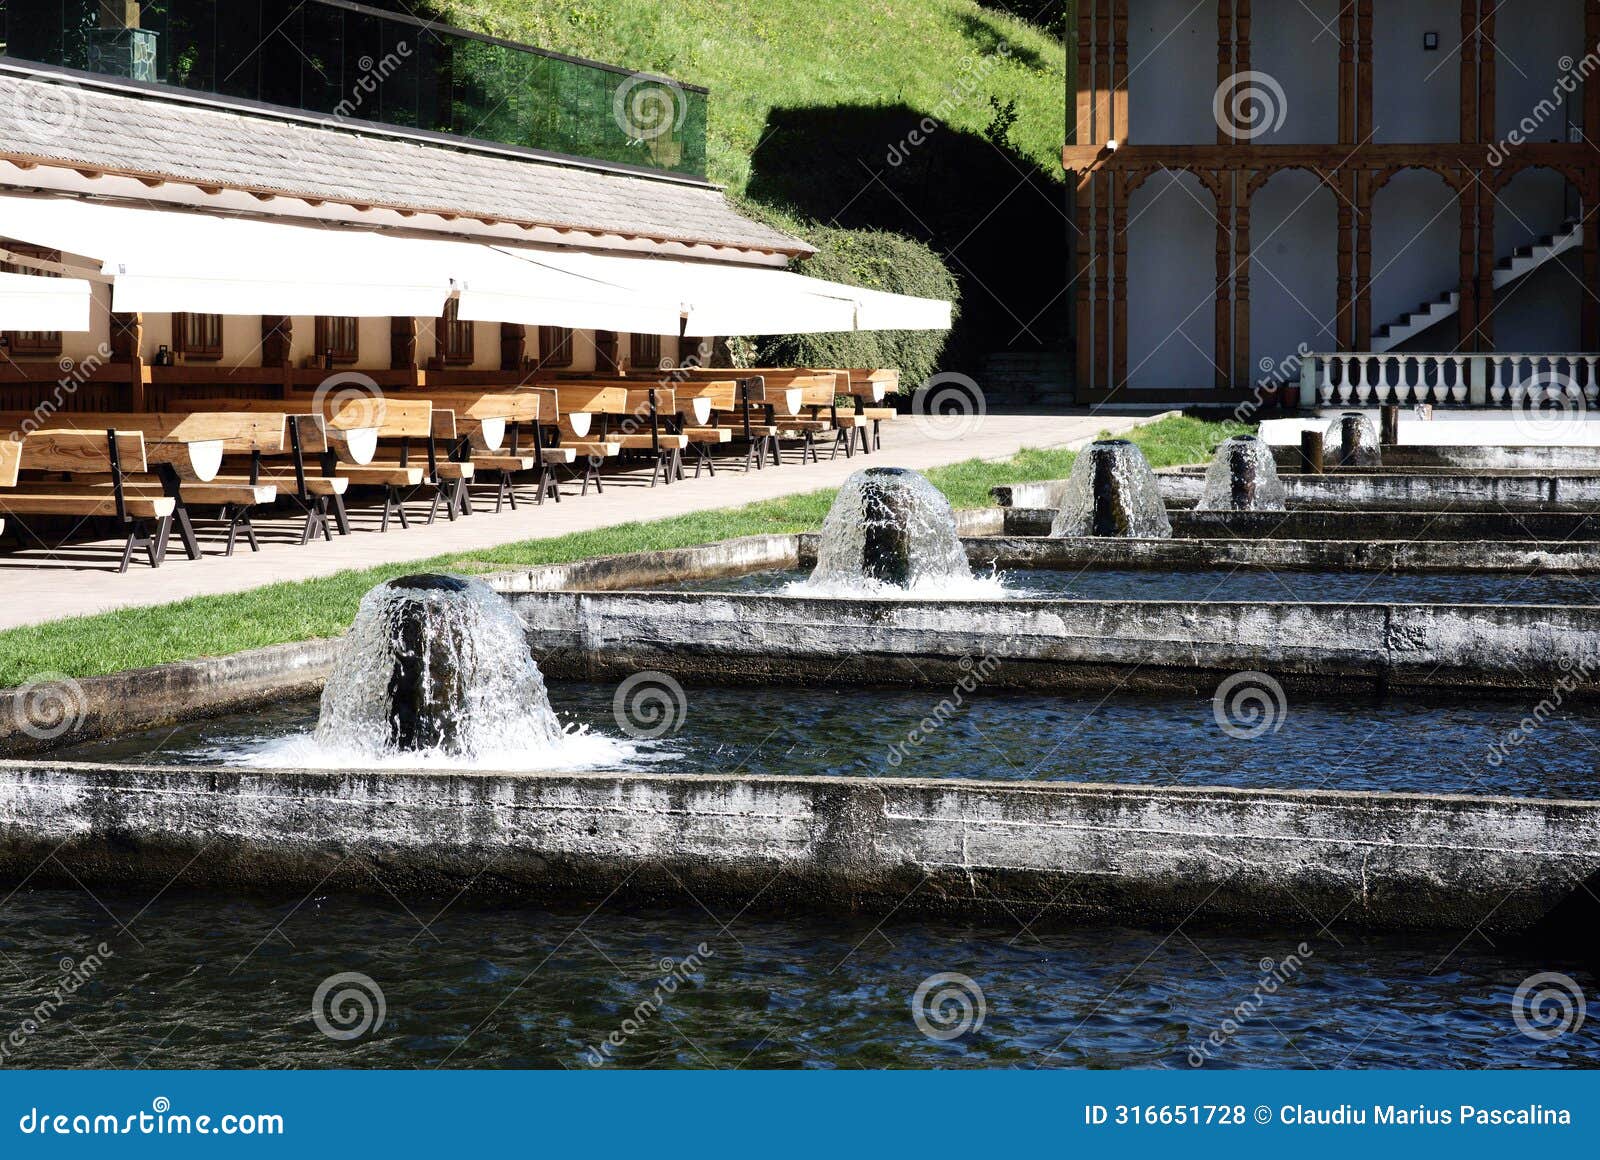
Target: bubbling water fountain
pixel 1356 439
pixel 889 528
pixel 1112 492
pixel 436 665
pixel 1243 478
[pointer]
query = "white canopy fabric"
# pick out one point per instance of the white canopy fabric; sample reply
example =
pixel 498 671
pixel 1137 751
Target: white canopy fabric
pixel 717 299
pixel 174 260
pixel 34 303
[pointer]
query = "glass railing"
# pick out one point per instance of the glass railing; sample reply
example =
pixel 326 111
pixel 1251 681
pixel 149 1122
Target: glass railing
pixel 353 61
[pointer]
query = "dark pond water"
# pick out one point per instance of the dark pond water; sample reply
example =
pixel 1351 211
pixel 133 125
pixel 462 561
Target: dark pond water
pixel 1246 584
pixel 197 981
pixel 1397 744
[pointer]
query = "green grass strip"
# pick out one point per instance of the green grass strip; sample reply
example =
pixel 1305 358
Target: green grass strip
pixel 86 646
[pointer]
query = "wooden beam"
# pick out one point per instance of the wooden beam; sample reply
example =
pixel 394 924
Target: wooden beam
pixel 1469 70
pixel 1119 281
pixel 1466 285
pixel 1344 296
pixel 1225 68
pixel 1483 339
pixel 1363 323
pixel 1102 282
pixel 1486 72
pixel 1347 72
pixel 1364 70
pixel 1222 339
pixel 1102 72
pixel 1243 372
pixel 1083 127
pixel 1119 70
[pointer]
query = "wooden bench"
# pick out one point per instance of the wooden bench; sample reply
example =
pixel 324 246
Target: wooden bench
pixel 185 454
pixel 490 424
pixel 630 416
pixel 303 471
pixel 400 422
pixel 77 454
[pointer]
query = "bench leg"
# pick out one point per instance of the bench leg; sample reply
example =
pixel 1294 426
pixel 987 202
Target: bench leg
pixel 154 542
pixel 777 450
pixel 191 544
pixel 341 518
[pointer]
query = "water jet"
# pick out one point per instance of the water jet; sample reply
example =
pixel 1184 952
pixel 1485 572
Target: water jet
pixel 1112 492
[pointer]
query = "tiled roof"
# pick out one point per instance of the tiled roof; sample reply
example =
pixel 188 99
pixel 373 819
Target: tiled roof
pixel 151 135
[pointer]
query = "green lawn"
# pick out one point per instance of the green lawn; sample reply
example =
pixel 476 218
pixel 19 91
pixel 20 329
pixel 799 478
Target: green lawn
pixel 795 54
pixel 214 625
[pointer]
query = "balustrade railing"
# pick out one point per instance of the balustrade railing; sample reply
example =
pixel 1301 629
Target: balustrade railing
pixel 1499 379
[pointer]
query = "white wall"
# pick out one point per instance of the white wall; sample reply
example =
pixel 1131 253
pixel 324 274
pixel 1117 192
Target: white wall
pixel 1294 269
pixel 1416 240
pixel 1172 72
pixel 1296 43
pixel 1171 284
pixel 1416 95
pixel 1529 67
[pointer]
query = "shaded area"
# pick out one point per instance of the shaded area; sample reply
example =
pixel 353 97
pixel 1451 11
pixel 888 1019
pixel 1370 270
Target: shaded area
pixel 996 219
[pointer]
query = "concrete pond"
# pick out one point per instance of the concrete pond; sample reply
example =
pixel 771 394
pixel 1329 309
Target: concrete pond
pixel 1280 741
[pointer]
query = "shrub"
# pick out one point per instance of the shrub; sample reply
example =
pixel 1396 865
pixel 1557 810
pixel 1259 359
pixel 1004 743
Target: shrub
pixel 876 260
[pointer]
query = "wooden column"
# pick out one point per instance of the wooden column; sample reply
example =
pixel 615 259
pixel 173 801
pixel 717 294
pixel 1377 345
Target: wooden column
pixel 1241 35
pixel 1590 325
pixel 1222 358
pixel 1591 87
pixel 1345 294
pixel 1083 288
pixel 1486 72
pixel 1119 69
pixel 1363 326
pixel 1083 127
pixel 403 344
pixel 1102 71
pixel 127 347
pixel 1364 71
pixel 1347 72
pixel 1483 338
pixel 1243 372
pixel 1467 311
pixel 513 345
pixel 1469 70
pixel 1224 62
pixel 1119 279
pixel 1102 281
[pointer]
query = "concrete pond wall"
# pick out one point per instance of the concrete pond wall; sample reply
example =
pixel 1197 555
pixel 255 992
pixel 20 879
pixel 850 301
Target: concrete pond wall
pixel 953 849
pixel 1063 644
pixel 1345 491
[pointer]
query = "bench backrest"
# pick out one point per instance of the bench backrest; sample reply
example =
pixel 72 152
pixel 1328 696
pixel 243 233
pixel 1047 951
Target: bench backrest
pixel 83 452
pixel 10 461
pixel 237 431
pixel 595 398
pixel 512 406
pixel 392 416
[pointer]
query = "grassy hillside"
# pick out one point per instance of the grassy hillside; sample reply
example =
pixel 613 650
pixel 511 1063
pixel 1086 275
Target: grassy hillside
pixel 760 55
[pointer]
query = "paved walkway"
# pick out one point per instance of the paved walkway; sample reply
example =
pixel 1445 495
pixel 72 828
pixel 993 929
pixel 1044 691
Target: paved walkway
pixel 81 579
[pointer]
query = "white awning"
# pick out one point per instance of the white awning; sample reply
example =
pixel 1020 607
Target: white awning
pixel 32 303
pixel 173 260
pixel 719 299
pixel 163 260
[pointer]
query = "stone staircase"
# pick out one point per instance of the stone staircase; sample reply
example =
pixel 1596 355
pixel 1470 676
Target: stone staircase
pixel 1027 378
pixel 1508 270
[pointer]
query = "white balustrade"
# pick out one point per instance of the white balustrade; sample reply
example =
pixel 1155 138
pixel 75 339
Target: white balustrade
pixel 1490 379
